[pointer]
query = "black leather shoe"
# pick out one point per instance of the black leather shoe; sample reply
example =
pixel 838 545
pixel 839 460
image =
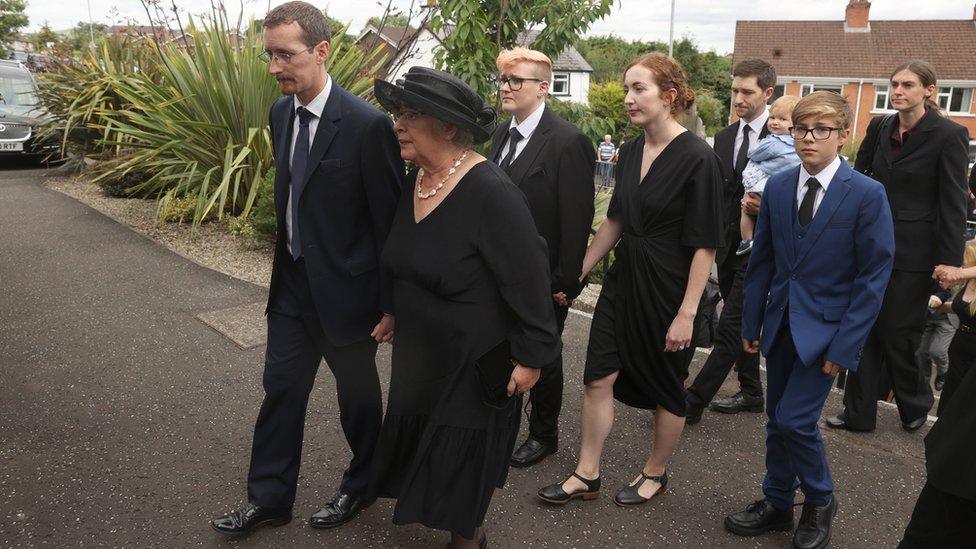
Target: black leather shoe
pixel 554 493
pixel 531 452
pixel 758 518
pixel 915 425
pixel 339 511
pixel 939 382
pixel 629 497
pixel 813 531
pixel 482 543
pixel 840 422
pixel 250 517
pixel 693 414
pixel 740 402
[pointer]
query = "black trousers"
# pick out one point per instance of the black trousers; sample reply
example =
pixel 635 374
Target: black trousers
pixel 727 348
pixel 940 520
pixel 890 349
pixel 296 346
pixel 546 396
pixel 962 357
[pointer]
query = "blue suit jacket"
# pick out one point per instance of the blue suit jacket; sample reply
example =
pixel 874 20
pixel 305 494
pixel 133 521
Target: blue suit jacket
pixel 831 276
pixel 345 210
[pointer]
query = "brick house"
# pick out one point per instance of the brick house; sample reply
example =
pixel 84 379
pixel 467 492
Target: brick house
pixel 855 57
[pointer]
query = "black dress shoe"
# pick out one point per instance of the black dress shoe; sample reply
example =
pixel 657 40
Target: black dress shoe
pixel 250 517
pixel 758 518
pixel 630 497
pixel 915 425
pixel 339 511
pixel 693 414
pixel 531 452
pixel 554 493
pixel 482 543
pixel 813 531
pixel 939 382
pixel 840 422
pixel 740 402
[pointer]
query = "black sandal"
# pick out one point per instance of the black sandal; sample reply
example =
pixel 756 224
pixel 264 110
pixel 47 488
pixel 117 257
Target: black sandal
pixel 554 493
pixel 630 497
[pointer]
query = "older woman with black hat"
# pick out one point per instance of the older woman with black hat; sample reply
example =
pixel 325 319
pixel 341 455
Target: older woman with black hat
pixel 474 322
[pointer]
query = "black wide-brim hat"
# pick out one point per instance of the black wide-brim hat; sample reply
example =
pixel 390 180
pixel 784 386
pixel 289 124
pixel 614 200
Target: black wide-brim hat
pixel 440 95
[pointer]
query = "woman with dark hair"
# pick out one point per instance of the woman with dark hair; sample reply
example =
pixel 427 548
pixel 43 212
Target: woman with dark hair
pixel 664 223
pixel 474 316
pixel 920 157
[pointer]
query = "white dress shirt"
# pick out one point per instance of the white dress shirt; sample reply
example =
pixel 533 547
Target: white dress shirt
pixel 526 128
pixel 315 106
pixel 757 126
pixel 824 178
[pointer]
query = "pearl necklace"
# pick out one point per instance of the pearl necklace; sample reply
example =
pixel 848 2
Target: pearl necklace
pixel 420 178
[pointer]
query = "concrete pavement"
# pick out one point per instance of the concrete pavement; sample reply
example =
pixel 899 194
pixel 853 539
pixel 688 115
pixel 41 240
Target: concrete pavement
pixel 126 422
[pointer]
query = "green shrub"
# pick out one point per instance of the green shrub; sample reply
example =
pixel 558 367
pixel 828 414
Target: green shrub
pixel 240 226
pixel 262 216
pixel 177 209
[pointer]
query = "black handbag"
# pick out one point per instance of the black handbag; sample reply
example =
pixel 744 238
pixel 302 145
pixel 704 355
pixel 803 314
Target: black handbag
pixel 494 372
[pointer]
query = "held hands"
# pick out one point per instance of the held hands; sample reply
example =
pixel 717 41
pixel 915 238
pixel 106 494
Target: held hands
pixel 383 332
pixel 560 299
pixel 679 334
pixel 750 346
pixel 948 276
pixel 831 368
pixel 750 203
pixel 523 379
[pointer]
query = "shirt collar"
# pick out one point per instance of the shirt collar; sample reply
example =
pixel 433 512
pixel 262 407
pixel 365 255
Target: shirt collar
pixel 530 123
pixel 317 105
pixel 825 176
pixel 758 124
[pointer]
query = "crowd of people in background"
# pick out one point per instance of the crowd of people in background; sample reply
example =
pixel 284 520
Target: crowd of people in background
pixel 469 264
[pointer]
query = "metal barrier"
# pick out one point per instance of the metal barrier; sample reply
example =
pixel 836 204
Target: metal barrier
pixel 603 178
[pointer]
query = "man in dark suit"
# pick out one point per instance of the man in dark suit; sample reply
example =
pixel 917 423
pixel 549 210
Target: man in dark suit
pixel 553 163
pixel 920 157
pixel 752 87
pixel 337 182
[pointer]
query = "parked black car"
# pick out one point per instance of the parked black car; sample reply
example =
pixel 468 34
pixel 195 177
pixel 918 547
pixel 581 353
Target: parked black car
pixel 21 116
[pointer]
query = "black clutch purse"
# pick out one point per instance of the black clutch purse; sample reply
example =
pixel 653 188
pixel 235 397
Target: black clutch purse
pixel 494 372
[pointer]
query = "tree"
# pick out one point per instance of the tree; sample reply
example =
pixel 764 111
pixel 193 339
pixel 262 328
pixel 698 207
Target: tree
pixel 80 36
pixel 393 20
pixel 12 19
pixel 45 38
pixel 476 30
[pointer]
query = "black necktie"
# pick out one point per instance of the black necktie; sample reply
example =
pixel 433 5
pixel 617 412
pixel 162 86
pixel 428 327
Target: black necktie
pixel 513 138
pixel 743 157
pixel 299 160
pixel 805 212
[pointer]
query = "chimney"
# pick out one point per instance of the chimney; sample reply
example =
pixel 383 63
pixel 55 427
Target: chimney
pixel 856 17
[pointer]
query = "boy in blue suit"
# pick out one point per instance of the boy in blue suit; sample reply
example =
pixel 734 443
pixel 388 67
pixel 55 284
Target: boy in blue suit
pixel 823 252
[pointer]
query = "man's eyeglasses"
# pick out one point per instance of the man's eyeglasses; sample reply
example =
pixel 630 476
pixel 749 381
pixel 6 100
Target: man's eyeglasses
pixel 282 56
pixel 820 133
pixel 514 82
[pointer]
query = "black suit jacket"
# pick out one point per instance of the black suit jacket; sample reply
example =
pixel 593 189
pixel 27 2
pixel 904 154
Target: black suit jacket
pixel 353 183
pixel 555 171
pixel 926 186
pixel 725 149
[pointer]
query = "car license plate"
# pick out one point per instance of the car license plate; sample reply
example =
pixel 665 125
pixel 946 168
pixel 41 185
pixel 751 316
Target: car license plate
pixel 18 146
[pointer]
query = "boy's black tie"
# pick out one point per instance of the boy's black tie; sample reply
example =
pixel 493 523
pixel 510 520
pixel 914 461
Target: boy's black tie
pixel 806 207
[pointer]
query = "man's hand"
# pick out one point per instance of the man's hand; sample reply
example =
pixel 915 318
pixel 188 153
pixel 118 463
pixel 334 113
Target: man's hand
pixel 523 379
pixel 948 276
pixel 934 302
pixel 750 203
pixel 383 332
pixel 560 298
pixel 750 346
pixel 831 368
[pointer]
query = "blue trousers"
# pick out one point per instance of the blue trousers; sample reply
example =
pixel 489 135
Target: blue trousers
pixel 795 454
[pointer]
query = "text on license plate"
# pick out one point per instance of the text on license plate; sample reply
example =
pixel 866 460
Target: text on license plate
pixel 11 146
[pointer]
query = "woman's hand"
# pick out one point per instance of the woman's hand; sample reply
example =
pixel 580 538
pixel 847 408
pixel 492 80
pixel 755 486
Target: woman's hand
pixel 948 276
pixel 679 334
pixel 523 378
pixel 383 332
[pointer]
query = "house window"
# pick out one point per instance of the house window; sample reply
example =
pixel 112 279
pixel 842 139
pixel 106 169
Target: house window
pixel 956 100
pixel 560 84
pixel 807 89
pixel 881 100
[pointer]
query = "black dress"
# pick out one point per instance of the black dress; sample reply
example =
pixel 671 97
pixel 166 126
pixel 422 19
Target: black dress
pixel 962 350
pixel 466 277
pixel 675 210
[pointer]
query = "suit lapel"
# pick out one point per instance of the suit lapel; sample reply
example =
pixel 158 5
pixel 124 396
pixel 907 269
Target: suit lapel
pixel 497 140
pixel 783 219
pixel 526 158
pixel 284 125
pixel 725 147
pixel 918 136
pixel 884 139
pixel 836 191
pixel 324 134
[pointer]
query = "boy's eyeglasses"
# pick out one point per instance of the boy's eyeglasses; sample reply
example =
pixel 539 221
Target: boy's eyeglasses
pixel 820 133
pixel 284 56
pixel 514 82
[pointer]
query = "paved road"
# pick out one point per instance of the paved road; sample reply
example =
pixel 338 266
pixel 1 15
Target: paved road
pixel 125 422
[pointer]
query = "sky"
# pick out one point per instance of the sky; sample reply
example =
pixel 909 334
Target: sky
pixel 711 23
